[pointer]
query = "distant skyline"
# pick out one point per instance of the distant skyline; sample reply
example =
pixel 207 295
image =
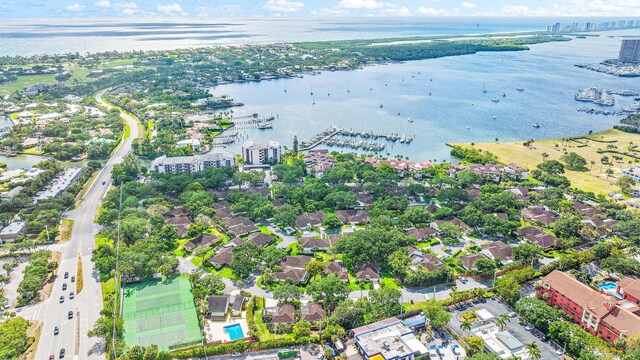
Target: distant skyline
pixel 315 8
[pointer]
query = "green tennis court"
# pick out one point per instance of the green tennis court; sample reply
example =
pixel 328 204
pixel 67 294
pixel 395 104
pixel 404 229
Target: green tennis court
pixel 161 313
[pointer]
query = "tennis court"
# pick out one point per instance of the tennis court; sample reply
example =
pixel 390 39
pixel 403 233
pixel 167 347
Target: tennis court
pixel 161 313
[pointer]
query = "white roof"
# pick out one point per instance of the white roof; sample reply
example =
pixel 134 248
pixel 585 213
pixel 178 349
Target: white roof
pixel 484 314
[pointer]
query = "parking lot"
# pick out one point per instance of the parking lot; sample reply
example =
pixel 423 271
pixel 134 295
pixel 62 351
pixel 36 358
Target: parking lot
pixel 496 308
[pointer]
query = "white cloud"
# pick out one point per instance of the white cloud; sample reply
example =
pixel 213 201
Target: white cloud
pixel 127 8
pixel 580 8
pixel 219 11
pixel 360 4
pixel 430 11
pixel 284 6
pixel 469 5
pixel 394 10
pixel 74 7
pixel 102 3
pixel 171 9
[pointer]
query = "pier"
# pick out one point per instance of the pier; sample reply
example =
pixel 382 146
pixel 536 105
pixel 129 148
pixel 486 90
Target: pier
pixel 327 137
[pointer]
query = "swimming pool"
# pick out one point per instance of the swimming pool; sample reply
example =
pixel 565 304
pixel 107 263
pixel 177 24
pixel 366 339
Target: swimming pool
pixel 610 288
pixel 234 331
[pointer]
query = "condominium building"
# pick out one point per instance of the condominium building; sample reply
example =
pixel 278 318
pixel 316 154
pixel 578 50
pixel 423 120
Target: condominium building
pixel 629 51
pixel 254 153
pixel 190 164
pixel 609 314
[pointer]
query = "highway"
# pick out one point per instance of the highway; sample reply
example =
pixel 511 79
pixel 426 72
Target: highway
pixel 87 305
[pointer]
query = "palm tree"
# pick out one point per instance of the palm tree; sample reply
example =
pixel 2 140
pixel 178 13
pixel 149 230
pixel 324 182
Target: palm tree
pixel 465 325
pixel 502 320
pixel 545 156
pixel 533 350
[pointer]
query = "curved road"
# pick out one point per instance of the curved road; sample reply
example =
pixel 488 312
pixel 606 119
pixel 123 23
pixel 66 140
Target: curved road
pixel 87 305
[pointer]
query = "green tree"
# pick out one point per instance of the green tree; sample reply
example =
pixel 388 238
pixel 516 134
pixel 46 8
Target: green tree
pixel 552 167
pixel 329 289
pixel 533 351
pixel 466 325
pixel 508 289
pixel 625 183
pixel 286 292
pixel 575 161
pixel 332 222
pixel 385 302
pixel 484 266
pixel 14 340
pixel 436 312
pixel 314 268
pixel 502 320
pixel 301 328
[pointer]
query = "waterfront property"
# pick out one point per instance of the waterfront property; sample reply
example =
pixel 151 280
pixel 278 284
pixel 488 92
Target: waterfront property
pixel 607 313
pixel 256 153
pixel 196 163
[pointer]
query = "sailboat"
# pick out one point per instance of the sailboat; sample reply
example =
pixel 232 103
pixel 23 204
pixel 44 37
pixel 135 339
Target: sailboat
pixel 314 101
pixel 312 91
pixel 504 95
pixel 484 89
pixel 285 86
pixel 520 89
pixel 496 100
pixel 410 120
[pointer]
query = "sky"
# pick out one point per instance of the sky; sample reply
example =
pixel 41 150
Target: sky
pixel 16 9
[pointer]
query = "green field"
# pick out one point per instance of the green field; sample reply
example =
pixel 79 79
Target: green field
pixel 26 81
pixel 161 313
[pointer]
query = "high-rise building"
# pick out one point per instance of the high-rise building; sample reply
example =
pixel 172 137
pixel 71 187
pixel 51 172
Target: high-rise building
pixel 556 27
pixel 254 153
pixel 629 51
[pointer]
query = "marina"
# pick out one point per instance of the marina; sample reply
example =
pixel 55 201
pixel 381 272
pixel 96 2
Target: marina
pixel 327 137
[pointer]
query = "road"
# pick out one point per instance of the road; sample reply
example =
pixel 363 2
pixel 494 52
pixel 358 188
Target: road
pixel 87 304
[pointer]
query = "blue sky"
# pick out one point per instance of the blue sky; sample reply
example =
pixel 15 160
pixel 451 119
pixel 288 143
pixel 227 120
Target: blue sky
pixel 302 8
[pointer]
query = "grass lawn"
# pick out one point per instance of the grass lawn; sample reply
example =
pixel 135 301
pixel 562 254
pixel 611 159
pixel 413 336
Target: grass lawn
pixel 101 240
pixel 293 249
pixel 64 232
pixel 33 151
pixel 107 288
pixel 26 81
pixel 263 332
pixel 594 180
pixel 226 272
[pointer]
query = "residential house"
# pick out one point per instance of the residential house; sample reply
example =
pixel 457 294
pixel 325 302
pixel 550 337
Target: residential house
pixel 217 306
pixel 535 235
pixel 336 268
pixel 237 304
pixel 455 221
pixel 318 161
pixel 282 314
pixel 293 268
pixel 311 243
pixel 12 231
pixel 469 261
pixel 261 239
pixel 539 214
pixel 629 289
pixel 307 221
pixel 222 258
pixel 498 250
pixel 424 259
pixel 422 233
pixel 353 216
pixel 312 312
pixel 368 271
pixel 201 240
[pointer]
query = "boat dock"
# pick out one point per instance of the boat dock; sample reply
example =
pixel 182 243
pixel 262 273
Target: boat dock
pixel 327 137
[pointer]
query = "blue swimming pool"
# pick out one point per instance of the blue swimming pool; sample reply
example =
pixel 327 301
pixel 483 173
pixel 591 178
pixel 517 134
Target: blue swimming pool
pixel 610 288
pixel 234 331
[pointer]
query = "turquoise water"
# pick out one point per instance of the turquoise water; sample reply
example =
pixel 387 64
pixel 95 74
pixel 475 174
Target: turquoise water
pixel 234 331
pixel 610 288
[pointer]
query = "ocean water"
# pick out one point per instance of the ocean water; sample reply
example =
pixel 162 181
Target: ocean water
pixel 546 72
pixel 56 36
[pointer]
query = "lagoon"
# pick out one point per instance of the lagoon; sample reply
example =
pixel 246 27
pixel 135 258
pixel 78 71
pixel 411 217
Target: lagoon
pixel 456 110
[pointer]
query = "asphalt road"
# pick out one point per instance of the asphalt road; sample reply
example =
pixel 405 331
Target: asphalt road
pixel 87 305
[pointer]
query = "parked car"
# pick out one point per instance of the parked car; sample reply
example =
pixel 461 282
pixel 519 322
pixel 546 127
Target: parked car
pixel 56 330
pixel 70 315
pixel 52 357
pixel 512 314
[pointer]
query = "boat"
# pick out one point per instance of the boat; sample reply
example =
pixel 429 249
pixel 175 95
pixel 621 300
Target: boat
pixel 381 106
pixel 328 94
pixel 264 126
pixel 410 120
pixel 429 93
pixel 312 91
pixel 504 95
pixel 494 117
pixel 519 89
pixel 484 89
pixel 535 125
pixel 398 114
pixel 468 127
pixel 496 100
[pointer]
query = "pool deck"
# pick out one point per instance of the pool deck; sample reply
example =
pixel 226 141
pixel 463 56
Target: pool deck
pixel 214 330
